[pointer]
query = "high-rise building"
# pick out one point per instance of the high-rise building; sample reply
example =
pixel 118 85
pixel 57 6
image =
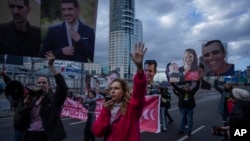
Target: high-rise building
pixel 138 31
pixel 138 34
pixel 121 36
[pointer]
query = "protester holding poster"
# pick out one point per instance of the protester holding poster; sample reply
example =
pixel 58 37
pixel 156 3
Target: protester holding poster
pixel 120 117
pixel 186 104
pixel 214 54
pixel 19 37
pixel 174 74
pixel 72 39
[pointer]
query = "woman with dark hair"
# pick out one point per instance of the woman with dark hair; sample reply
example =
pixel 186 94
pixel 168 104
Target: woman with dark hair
pixel 190 67
pixel 120 117
pixel 225 95
pixel 41 114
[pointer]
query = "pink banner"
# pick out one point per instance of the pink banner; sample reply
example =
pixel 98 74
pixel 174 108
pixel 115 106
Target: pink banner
pixel 74 109
pixel 150 119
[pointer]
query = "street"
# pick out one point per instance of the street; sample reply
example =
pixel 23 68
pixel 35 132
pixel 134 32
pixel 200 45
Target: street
pixel 205 116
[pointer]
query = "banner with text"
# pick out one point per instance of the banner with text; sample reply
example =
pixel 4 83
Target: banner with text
pixel 150 120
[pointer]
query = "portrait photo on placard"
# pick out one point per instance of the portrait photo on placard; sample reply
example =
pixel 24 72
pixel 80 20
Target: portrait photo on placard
pixel 184 69
pixel 214 57
pixel 20 32
pixel 68 29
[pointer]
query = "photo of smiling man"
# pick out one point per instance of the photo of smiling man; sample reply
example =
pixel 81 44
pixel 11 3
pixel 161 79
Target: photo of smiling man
pixel 214 54
pixel 74 38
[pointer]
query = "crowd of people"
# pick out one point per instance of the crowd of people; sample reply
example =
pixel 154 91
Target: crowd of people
pixel 37 115
pixel 38 108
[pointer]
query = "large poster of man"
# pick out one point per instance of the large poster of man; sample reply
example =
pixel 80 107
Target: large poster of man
pixel 20 27
pixel 68 29
pixel 214 56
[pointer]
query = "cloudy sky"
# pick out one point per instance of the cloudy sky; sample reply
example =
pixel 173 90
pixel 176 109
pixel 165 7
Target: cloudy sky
pixel 171 26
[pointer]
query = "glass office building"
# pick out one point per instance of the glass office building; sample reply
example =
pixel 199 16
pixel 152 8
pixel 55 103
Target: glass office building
pixel 121 36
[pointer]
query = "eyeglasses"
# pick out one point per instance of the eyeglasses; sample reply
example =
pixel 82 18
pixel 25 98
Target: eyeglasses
pixel 19 7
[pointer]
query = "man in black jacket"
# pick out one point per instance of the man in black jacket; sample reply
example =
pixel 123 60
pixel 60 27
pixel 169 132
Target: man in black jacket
pixel 18 37
pixel 186 104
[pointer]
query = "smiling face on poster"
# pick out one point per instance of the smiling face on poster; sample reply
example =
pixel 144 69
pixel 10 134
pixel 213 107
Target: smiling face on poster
pixel 68 29
pixel 214 54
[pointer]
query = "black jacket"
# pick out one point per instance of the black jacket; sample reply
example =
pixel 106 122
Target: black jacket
pixel 50 111
pixel 189 102
pixel 56 39
pixel 240 115
pixel 165 100
pixel 20 43
pixel 20 123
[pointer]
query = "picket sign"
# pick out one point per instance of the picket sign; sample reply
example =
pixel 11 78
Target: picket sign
pixel 150 119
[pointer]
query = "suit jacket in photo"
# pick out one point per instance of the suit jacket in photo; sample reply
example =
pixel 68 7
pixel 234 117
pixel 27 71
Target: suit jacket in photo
pixel 57 38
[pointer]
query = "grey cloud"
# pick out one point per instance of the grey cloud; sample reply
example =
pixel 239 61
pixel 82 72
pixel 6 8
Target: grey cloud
pixel 211 19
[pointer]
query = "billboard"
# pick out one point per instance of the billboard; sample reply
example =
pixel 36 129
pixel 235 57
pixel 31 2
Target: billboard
pixel 34 27
pixel 187 70
pixel 215 58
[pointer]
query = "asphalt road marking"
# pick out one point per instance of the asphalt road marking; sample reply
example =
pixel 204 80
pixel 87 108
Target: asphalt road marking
pixel 193 132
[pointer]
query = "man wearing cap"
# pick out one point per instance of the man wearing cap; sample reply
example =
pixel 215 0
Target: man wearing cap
pixel 186 104
pixel 240 115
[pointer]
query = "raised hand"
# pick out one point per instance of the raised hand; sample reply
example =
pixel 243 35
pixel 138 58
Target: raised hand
pixel 51 58
pixel 138 55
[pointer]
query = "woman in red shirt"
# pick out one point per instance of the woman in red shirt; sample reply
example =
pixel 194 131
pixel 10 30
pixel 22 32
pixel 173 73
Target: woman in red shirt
pixel 120 118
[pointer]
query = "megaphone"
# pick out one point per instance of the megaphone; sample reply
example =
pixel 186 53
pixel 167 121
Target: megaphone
pixel 34 90
pixel 14 90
